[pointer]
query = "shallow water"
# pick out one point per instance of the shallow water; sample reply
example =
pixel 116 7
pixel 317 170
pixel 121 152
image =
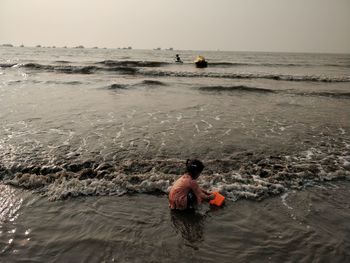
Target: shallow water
pixel 85 122
pixel 90 122
pixel 300 226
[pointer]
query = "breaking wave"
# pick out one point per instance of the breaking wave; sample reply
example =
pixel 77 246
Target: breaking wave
pixel 7 65
pixel 245 175
pixel 69 69
pixel 63 69
pixel 139 67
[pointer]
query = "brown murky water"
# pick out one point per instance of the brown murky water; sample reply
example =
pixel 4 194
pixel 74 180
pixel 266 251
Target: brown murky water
pixel 300 226
pixel 76 125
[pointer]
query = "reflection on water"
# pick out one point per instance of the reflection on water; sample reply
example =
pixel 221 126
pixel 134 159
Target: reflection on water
pixel 11 235
pixel 189 224
pixel 9 203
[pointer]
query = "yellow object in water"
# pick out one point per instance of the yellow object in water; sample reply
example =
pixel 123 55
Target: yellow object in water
pixel 201 62
pixel 199 58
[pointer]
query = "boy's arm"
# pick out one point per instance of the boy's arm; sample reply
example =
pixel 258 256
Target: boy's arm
pixel 200 193
pixel 206 192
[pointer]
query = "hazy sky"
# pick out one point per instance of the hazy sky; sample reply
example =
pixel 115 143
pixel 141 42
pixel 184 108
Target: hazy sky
pixel 243 25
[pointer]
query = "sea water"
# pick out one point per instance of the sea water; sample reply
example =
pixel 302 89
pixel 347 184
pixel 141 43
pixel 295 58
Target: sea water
pixel 107 122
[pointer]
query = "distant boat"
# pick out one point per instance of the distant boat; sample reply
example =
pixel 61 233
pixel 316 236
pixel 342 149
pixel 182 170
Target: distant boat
pixel 158 48
pixel 95 47
pixel 21 45
pixel 129 47
pixel 80 46
pixel 65 47
pixel 7 45
pixel 170 49
pixel 38 46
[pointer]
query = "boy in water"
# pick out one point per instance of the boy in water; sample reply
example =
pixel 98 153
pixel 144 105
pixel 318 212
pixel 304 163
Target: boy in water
pixel 178 59
pixel 186 193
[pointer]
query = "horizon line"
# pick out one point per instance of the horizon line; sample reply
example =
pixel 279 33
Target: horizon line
pixel 9 45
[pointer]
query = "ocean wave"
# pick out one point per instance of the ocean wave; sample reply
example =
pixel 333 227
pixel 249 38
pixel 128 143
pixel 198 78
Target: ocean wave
pixel 337 65
pixel 152 83
pixel 131 69
pixel 69 69
pixel 246 175
pixel 35 66
pixel 338 95
pixel 243 88
pixel 300 78
pixel 7 65
pixel 228 64
pixel 62 61
pixel 131 63
pixel 73 82
pixel 238 88
pixel 116 86
pixel 236 64
pixel 64 69
pixel 16 82
pixel 76 70
pixel 124 69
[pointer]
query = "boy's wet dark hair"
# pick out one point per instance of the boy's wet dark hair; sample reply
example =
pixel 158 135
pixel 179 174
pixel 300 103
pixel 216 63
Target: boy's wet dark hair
pixel 194 167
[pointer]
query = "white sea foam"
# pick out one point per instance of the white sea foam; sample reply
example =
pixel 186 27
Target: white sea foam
pixel 179 117
pixel 284 200
pixel 197 128
pixel 227 132
pixel 207 123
